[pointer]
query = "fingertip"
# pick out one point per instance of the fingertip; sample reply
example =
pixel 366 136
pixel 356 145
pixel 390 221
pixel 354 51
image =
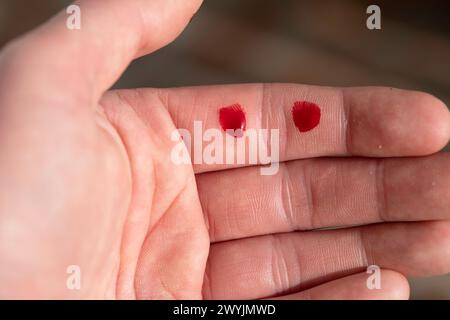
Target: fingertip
pixel 164 21
pixel 395 122
pixel 438 245
pixel 435 122
pixel 396 285
pixel 392 285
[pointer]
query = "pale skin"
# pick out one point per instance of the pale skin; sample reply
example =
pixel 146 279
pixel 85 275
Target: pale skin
pixel 86 177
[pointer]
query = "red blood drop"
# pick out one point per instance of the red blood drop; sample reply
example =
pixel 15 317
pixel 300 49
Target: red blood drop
pixel 233 118
pixel 306 115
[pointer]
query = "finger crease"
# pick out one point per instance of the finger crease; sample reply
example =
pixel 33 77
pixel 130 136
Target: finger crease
pixel 380 189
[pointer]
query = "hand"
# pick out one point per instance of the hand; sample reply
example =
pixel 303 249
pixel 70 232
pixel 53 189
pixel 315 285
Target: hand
pixel 87 177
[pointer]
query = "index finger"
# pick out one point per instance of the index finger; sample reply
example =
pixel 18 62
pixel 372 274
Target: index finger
pixel 366 121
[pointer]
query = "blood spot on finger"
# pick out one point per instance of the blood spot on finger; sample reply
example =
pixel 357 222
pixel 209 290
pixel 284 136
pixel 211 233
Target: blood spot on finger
pixel 232 119
pixel 306 115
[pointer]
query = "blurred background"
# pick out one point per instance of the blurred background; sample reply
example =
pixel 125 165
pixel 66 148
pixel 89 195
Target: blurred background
pixel 321 42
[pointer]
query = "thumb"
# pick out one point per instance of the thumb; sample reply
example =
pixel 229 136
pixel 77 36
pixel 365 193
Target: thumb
pixel 87 61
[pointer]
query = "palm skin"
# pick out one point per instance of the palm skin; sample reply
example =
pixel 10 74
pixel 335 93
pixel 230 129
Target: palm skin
pixel 131 220
pixel 87 180
pixel 80 196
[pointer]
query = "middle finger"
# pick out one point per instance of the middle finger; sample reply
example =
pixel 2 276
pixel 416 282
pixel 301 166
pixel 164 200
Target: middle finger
pixel 319 193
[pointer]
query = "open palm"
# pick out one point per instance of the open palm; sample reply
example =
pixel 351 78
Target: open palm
pixel 87 177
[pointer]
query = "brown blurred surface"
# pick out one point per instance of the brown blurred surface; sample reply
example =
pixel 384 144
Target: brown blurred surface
pixel 314 42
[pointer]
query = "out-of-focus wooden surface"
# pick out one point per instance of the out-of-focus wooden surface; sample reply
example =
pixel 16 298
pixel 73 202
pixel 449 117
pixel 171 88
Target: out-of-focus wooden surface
pixel 315 42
